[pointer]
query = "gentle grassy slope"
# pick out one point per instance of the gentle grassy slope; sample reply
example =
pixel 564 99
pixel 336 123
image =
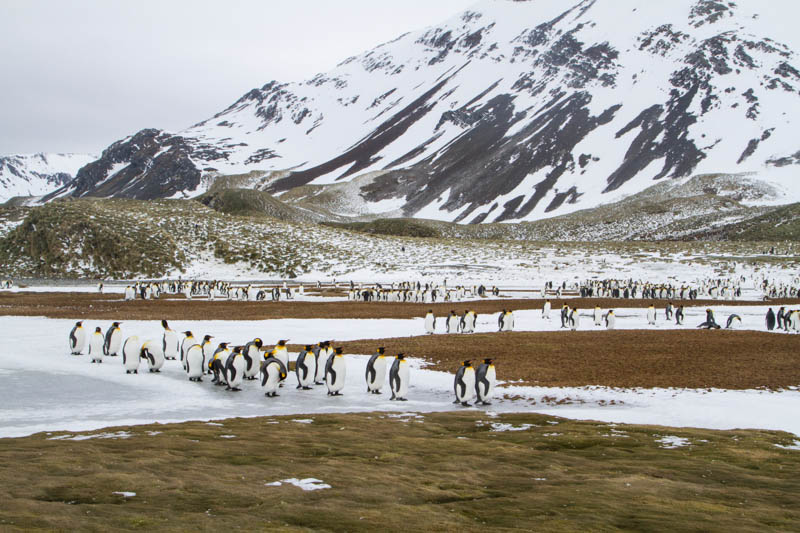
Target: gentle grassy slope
pixel 444 472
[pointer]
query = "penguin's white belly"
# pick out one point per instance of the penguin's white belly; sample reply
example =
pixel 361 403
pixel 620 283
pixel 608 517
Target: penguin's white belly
pixel 380 374
pixel 306 378
pixel 597 317
pixel 170 345
pixel 402 375
pixel 335 379
pixel 319 374
pixel 283 357
pixel 96 347
pixel 251 370
pixel 273 374
pixel 546 311
pixel 611 322
pixel 194 361
pixel 466 392
pixel 235 377
pixel 79 343
pixel 208 354
pixel 651 316
pixel 114 342
pixel 484 393
pixel 429 324
pixel 508 323
pixel 130 353
pixel 576 321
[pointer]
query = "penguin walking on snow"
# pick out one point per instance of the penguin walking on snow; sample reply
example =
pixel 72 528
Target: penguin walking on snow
pixel 485 381
pixel 398 378
pixel 780 317
pixel 679 316
pixel 252 357
pixel 507 323
pixel 77 338
pixel 169 343
pixel 731 319
pixel 208 353
pixel 546 310
pixel 187 342
pixel 151 352
pixel 574 319
pixel 217 364
pixel 113 340
pixel 501 320
pixel 305 368
pixel 273 372
pixel 131 354
pixel 234 369
pixel 335 373
pixel 564 315
pixel 376 371
pixel 321 355
pixel 193 362
pixel 464 384
pixel 96 345
pixel 651 315
pixel 598 315
pixel 452 322
pixel 668 311
pixel 611 319
pixel 430 322
pixel 770 319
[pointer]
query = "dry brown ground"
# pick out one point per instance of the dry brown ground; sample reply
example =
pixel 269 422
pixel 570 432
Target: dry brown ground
pixel 112 307
pixel 638 358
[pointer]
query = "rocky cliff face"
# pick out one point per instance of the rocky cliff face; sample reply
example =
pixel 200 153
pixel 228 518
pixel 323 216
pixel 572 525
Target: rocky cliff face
pixel 514 110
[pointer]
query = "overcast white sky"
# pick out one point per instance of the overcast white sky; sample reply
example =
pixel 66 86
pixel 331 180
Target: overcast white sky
pixel 77 75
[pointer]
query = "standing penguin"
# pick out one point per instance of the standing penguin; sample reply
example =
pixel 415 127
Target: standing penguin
pixel 651 315
pixel 430 322
pixel 668 311
pixel 151 352
pixel 208 353
pixel 193 362
pixel 376 371
pixel 611 319
pixel 574 319
pixel 273 372
pixel 508 321
pixel 779 317
pixel 112 340
pixel 501 320
pixel 564 316
pixel 598 315
pixel 169 343
pixel 252 356
pixel 281 352
pixel 217 363
pixel 130 294
pixel 398 378
pixel 234 369
pixel 485 381
pixel 679 316
pixel 770 319
pixel 335 373
pixel 469 321
pixel 130 354
pixel 77 338
pixel 464 384
pixel 305 368
pixel 546 310
pixel 96 345
pixel 452 322
pixel 321 355
pixel 731 320
pixel 186 343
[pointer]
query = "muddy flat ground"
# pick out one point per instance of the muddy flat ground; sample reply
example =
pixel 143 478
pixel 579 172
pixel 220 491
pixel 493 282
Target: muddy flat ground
pixel 176 307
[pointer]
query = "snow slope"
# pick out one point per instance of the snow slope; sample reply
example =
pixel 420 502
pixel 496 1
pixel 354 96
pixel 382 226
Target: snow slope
pixel 38 174
pixel 512 110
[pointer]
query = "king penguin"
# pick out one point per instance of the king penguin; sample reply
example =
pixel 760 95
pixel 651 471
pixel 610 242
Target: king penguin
pixel 130 354
pixel 376 371
pixel 77 338
pixel 217 363
pixel 273 372
pixel 96 345
pixel 169 343
pixel 187 342
pixel 574 319
pixel 208 353
pixel 398 378
pixel 546 310
pixel 611 319
pixel 282 352
pixel 112 340
pixel 679 316
pixel 151 352
pixel 651 315
pixel 464 384
pixel 598 315
pixel 731 319
pixel 305 368
pixel 485 381
pixel 193 362
pixel 770 319
pixel 335 373
pixel 252 358
pixel 321 354
pixel 430 322
pixel 234 369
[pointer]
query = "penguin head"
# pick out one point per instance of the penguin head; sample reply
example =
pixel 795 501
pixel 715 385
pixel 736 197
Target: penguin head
pixel 339 350
pixel 79 323
pixel 282 342
pixel 467 363
pixel 381 350
pixel 258 342
pixel 237 349
pixel 401 356
pixel 488 361
pixel 97 330
pixel 164 323
pixel 187 333
pixel 207 338
pixel 115 324
pixel 308 347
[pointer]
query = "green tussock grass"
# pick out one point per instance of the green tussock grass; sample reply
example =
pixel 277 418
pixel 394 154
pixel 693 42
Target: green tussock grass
pixel 444 472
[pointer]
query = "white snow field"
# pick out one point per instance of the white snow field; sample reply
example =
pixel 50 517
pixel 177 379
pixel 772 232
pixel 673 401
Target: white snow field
pixel 46 389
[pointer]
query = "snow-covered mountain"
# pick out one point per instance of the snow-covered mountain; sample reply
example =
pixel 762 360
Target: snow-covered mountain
pixel 512 110
pixel 38 174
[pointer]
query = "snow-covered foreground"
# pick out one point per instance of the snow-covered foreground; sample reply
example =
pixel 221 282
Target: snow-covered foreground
pixel 45 389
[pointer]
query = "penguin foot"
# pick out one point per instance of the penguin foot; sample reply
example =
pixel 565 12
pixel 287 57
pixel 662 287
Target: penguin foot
pixel 135 371
pixel 319 383
pixel 486 403
pixel 299 387
pixel 465 404
pixel 402 399
pixel 307 388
